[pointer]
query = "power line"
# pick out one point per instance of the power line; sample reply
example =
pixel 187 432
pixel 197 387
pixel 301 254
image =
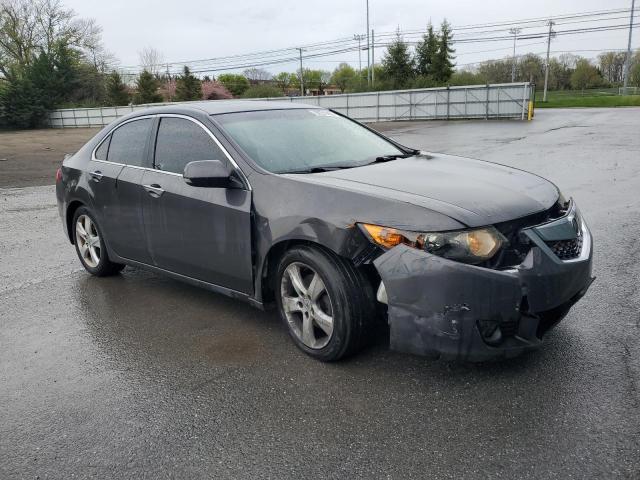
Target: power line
pixel 342 45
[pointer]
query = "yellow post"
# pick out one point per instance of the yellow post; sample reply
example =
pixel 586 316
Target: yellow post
pixel 530 113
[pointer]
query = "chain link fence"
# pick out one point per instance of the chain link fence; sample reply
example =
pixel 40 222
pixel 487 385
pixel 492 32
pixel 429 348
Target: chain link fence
pixel 508 100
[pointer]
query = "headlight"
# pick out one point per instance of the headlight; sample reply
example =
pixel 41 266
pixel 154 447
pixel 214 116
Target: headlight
pixel 469 246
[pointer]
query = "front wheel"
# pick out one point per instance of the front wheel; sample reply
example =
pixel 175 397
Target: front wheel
pixel 326 303
pixel 90 245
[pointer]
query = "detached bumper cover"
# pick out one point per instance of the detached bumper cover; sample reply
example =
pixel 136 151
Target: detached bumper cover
pixel 438 307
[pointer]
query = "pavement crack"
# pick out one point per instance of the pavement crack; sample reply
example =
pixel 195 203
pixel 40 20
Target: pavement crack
pixel 564 127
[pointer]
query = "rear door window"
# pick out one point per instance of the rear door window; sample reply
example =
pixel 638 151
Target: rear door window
pixel 182 141
pixel 128 143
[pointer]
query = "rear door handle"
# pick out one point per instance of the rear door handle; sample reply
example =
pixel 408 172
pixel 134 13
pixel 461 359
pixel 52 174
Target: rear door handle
pixel 154 190
pixel 96 175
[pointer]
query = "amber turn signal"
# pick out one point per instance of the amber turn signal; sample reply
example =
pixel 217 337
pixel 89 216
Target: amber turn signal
pixel 384 236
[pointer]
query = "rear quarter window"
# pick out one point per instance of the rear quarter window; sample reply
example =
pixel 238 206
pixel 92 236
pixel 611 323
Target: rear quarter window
pixel 101 151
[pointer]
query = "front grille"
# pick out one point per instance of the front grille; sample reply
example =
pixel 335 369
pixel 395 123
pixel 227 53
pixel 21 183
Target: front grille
pixel 518 245
pixel 566 249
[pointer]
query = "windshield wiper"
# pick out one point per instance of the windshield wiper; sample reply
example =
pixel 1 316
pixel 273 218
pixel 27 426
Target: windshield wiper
pixel 320 169
pixel 394 156
pixel 329 168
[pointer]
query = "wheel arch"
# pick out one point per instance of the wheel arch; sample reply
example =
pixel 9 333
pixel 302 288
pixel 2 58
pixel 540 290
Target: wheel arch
pixel 267 274
pixel 73 206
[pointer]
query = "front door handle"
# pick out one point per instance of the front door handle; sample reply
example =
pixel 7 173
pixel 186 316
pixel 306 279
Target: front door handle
pixel 154 190
pixel 96 175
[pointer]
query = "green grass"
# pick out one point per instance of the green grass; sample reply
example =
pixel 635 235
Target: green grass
pixel 590 98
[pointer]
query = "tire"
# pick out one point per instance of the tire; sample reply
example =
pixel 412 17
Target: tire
pixel 90 245
pixel 347 299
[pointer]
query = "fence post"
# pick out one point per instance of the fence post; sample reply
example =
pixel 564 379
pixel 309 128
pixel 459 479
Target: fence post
pixel 486 116
pixel 524 100
pixel 395 106
pixel 435 111
pixel 448 100
pixel 466 91
pixel 377 106
pixel 411 106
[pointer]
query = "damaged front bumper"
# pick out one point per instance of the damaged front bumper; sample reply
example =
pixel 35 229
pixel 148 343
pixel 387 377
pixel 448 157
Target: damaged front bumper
pixel 452 310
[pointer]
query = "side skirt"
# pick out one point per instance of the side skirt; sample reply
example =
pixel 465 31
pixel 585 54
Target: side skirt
pixel 193 281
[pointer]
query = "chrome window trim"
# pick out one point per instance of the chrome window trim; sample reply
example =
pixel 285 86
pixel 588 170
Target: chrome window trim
pixel 137 167
pixel 171 115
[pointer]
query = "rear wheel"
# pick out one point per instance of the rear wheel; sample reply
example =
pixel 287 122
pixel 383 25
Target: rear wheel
pixel 326 303
pixel 90 245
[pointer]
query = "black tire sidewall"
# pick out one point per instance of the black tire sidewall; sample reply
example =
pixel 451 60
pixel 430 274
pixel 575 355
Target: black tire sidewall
pixel 335 285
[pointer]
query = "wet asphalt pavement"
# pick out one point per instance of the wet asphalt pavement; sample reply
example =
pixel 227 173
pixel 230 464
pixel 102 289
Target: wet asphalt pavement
pixel 139 376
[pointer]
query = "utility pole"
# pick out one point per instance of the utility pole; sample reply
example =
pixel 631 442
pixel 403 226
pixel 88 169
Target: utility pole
pixel 546 65
pixel 373 58
pixel 301 75
pixel 359 38
pixel 368 48
pixel 514 32
pixel 628 59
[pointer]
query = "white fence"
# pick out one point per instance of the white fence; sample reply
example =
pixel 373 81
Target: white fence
pixel 507 100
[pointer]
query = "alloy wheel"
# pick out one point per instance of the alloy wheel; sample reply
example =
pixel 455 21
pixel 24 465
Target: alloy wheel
pixel 88 241
pixel 307 305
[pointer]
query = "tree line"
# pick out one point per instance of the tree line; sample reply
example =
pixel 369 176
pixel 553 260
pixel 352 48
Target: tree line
pixel 50 58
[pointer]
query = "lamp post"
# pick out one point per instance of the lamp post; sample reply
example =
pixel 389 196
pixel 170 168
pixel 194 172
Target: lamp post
pixel 514 32
pixel 301 75
pixel 359 38
pixel 368 48
pixel 546 65
pixel 628 59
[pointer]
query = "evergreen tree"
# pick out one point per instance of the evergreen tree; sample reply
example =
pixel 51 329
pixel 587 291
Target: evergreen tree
pixel 147 86
pixel 397 63
pixel 116 90
pixel 39 87
pixel 443 60
pixel 426 51
pixel 23 104
pixel 188 87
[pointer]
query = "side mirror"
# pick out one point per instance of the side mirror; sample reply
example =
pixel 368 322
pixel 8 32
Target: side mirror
pixel 210 173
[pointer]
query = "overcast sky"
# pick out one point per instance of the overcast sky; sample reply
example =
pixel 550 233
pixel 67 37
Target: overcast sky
pixel 196 29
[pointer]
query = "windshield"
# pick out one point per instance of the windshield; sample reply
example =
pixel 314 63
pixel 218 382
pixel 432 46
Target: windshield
pixel 299 140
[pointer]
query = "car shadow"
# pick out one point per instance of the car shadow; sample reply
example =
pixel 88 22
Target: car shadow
pixel 151 324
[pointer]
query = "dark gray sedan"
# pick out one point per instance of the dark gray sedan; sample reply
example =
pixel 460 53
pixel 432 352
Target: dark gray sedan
pixel 340 227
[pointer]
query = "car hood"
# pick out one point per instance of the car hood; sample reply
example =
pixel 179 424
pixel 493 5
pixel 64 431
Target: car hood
pixel 473 192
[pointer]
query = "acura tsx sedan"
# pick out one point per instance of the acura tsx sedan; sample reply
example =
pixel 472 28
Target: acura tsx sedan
pixel 339 227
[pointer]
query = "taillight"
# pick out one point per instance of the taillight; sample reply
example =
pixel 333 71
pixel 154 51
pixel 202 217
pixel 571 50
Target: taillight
pixel 58 174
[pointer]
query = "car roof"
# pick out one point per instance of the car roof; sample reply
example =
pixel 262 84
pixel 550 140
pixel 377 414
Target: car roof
pixel 215 107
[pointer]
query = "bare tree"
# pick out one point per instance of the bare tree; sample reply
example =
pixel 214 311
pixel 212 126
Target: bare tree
pixel 28 27
pixel 568 60
pixel 612 65
pixel 151 60
pixel 19 34
pixel 257 74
